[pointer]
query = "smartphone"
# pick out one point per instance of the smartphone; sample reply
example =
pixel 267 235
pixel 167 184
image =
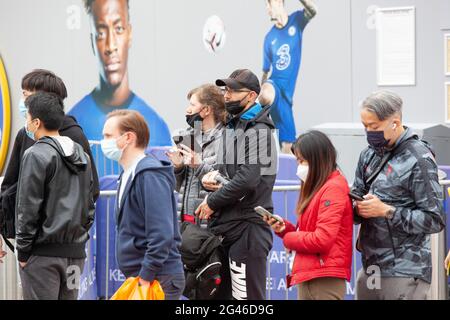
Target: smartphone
pixel 263 212
pixel 356 197
pixel 189 141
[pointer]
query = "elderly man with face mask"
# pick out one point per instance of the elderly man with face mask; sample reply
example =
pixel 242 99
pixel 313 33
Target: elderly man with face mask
pixel 397 176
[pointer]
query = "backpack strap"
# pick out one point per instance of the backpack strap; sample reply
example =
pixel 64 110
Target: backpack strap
pixel 386 159
pixel 8 243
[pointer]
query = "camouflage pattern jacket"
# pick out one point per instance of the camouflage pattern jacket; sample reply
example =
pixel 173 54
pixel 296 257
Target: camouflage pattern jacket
pixel 409 182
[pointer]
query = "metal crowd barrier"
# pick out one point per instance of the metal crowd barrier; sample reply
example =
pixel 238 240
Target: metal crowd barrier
pixel 439 287
pixel 10 281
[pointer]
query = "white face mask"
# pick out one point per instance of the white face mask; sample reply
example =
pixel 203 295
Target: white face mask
pixel 302 171
pixel 23 108
pixel 111 150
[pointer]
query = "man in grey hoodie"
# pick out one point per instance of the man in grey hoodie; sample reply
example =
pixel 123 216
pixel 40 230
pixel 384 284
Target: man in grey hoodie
pixel 54 206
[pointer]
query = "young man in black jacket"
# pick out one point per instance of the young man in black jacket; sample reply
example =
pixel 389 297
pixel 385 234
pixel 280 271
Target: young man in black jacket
pixel 248 158
pixel 54 206
pixel 41 81
pixel 44 81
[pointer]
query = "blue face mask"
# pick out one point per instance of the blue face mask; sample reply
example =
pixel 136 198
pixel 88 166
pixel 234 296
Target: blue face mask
pixel 111 150
pixel 29 133
pixel 22 108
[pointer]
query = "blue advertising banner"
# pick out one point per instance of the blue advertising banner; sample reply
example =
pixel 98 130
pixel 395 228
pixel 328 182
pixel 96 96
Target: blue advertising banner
pixel 88 281
pixel 109 277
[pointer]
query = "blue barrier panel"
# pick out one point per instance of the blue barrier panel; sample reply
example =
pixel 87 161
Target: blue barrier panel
pixel 88 283
pixel 109 277
pixel 279 259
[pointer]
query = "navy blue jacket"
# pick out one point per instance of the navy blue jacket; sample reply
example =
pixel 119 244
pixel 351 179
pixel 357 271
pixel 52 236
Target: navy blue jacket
pixel 148 236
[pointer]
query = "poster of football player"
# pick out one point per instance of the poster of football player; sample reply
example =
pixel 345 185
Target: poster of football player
pixel 111 39
pixel 281 65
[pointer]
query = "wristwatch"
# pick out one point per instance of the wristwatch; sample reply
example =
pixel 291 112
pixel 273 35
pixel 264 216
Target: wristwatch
pixel 390 213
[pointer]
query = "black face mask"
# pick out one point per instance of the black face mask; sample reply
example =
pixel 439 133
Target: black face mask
pixel 377 140
pixel 234 107
pixel 191 119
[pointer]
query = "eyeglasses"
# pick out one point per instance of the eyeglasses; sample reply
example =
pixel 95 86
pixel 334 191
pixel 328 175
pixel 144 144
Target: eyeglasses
pixel 231 91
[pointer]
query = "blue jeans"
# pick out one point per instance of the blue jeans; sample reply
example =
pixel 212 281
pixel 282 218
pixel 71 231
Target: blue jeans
pixel 172 285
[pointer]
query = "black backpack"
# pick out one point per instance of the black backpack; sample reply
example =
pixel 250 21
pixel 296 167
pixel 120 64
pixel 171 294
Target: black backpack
pixel 200 253
pixel 8 214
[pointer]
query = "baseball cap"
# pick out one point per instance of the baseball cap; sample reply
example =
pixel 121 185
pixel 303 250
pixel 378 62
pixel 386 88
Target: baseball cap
pixel 240 79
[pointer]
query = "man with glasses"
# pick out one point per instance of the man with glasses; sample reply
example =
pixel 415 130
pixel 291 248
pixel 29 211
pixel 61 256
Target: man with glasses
pixel 247 168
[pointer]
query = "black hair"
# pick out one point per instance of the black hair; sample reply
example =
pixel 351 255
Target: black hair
pixel 88 6
pixel 316 148
pixel 47 107
pixel 46 81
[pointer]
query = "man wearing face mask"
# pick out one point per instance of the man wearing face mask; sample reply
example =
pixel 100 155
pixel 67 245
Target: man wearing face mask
pixel 248 158
pixel 148 236
pixel 205 116
pixel 54 207
pixel 38 80
pixel 397 175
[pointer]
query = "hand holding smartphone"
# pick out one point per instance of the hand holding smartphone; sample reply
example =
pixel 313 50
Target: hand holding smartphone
pixel 355 196
pixel 264 213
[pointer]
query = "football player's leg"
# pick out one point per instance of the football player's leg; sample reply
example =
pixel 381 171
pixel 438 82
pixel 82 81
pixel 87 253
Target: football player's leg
pixel 286 126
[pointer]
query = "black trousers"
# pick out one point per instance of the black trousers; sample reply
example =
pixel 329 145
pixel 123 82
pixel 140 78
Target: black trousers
pixel 244 265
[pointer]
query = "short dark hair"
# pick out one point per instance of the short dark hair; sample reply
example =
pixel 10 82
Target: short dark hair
pixel 132 121
pixel 47 107
pixel 46 81
pixel 88 6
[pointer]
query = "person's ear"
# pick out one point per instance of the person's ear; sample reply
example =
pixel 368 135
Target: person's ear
pixel 38 123
pixel 128 138
pixel 206 111
pixel 396 124
pixel 133 138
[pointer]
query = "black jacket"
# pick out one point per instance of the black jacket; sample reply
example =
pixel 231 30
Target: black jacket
pixel 248 157
pixel 55 205
pixel 69 128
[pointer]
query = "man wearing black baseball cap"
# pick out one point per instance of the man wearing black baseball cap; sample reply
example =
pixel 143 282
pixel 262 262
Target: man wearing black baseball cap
pixel 248 159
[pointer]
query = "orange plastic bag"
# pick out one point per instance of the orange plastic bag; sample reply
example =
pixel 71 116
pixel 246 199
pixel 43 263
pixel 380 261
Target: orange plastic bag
pixel 131 290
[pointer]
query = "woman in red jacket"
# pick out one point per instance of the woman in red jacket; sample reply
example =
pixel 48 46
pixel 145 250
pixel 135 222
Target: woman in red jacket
pixel 322 238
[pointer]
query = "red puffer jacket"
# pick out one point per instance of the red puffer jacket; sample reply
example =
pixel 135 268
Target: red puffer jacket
pixel 323 236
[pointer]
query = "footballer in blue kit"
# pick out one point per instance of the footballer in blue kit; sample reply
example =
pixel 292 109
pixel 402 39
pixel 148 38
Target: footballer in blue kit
pixel 282 60
pixel 111 36
pixel 91 115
